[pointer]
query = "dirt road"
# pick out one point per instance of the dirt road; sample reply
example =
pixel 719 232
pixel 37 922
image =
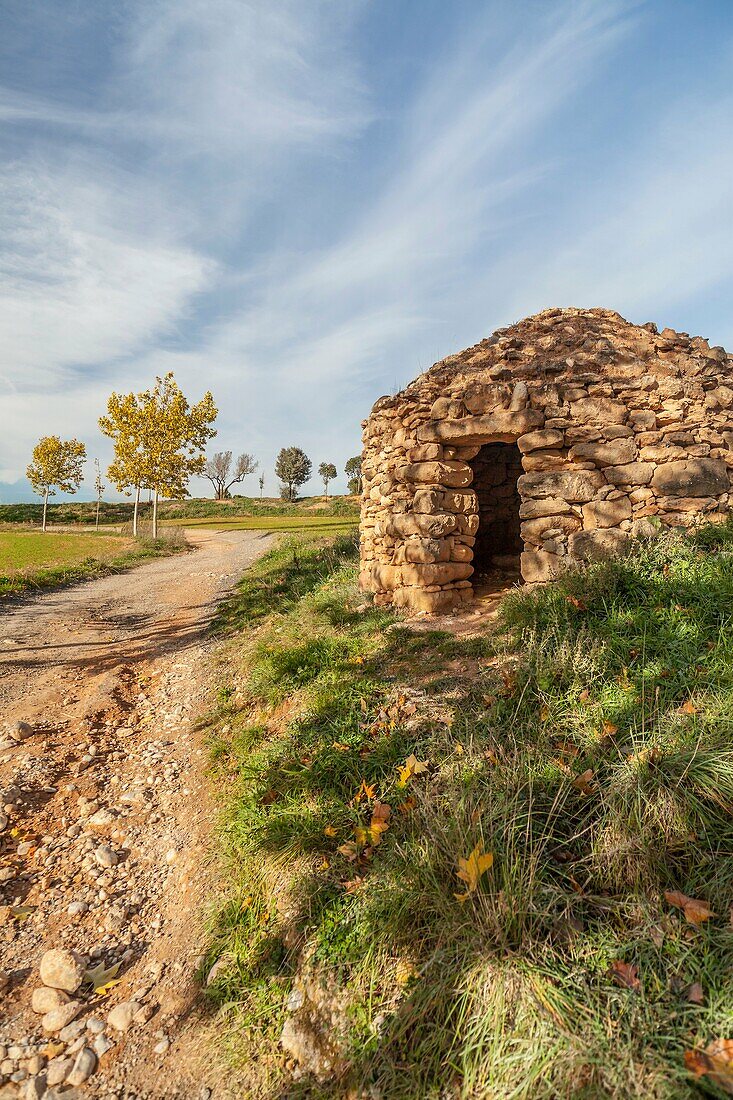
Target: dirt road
pixel 103 846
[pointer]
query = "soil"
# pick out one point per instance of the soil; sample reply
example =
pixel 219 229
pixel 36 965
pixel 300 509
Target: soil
pixel 106 849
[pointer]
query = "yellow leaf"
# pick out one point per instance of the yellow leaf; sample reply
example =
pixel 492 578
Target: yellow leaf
pixel 22 912
pixel 688 708
pixel 608 728
pixel 472 868
pixel 103 980
pixel 412 766
pixel 349 850
pixel 340 747
pixel 330 831
pixel 459 748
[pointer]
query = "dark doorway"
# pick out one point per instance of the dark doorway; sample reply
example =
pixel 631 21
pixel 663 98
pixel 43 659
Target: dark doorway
pixel 496 469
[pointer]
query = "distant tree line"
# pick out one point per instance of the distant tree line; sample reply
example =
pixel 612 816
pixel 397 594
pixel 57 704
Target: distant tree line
pixel 158 442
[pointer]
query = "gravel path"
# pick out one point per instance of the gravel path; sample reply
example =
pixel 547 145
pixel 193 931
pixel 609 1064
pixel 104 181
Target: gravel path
pixel 104 823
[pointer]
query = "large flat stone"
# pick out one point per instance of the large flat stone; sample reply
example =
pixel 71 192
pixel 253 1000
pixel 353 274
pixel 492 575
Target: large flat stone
pixel 692 477
pixel 497 427
pixel 577 486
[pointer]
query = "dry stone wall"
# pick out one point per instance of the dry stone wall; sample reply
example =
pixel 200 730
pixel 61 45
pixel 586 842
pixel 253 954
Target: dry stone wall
pixel 620 428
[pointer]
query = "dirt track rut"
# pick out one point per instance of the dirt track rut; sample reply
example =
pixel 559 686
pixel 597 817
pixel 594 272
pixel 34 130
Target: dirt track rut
pixel 105 847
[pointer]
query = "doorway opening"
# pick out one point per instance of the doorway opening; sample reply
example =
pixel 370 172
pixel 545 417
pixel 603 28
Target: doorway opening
pixel 496 469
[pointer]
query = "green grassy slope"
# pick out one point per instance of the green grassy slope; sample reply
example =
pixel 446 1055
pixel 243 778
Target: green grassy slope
pixel 121 511
pixel 32 560
pixel 586 747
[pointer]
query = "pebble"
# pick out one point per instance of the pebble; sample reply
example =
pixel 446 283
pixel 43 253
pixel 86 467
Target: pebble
pixel 121 1016
pixel 35 1089
pixel 3 822
pixel 84 1067
pixel 21 731
pixel 162 1046
pixel 62 969
pixel 58 1070
pixel 105 856
pixel 76 908
pixel 102 1044
pixel 58 1018
pixel 45 999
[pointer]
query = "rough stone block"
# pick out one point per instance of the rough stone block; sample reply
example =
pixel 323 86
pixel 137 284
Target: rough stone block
pixel 431 526
pixel 598 410
pixel 577 486
pixel 497 427
pixel 538 565
pixel 428 501
pixel 595 545
pixel 606 513
pixel 450 474
pixel 440 573
pixel 694 477
pixel 606 454
pixel 542 440
pixel 635 473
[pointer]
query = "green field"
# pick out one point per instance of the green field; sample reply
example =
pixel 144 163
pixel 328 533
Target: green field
pixel 32 559
pixel 84 512
pixel 304 522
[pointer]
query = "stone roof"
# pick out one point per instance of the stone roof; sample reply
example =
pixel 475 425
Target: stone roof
pixel 574 345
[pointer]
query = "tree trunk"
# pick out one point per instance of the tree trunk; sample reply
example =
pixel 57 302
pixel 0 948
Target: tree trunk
pixel 135 511
pixel 96 521
pixel 45 508
pixel 155 514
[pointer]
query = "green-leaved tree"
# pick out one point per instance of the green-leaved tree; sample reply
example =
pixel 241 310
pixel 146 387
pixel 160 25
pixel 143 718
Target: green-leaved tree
pixel 293 467
pixel 352 469
pixel 57 464
pixel 327 472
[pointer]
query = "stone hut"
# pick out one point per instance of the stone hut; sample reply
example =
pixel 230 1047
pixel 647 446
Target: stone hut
pixel 555 440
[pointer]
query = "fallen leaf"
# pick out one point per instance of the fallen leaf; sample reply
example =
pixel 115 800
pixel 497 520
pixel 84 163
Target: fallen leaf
pixel 625 975
pixel 696 994
pixel 350 850
pixel 341 747
pixel 491 756
pixel 584 696
pixel 608 728
pixel 472 868
pixel 695 910
pixel 544 713
pixel 716 1061
pixel 330 831
pixel 22 912
pixel 459 748
pixel 271 796
pixel 404 972
pixel 408 805
pixel 577 603
pixel 688 708
pixel 103 979
pixel 411 767
pixel 366 790
pixel 352 885
pixel 585 782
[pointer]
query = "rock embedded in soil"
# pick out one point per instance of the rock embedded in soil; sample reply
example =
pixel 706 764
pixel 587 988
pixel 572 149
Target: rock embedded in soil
pixel 105 856
pixel 83 1068
pixel 21 731
pixel 59 1018
pixel 46 999
pixel 122 1015
pixel 61 969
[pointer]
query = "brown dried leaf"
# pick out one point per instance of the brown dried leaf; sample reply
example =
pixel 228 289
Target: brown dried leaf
pixel 696 911
pixel 625 975
pixel 584 782
pixel 716 1061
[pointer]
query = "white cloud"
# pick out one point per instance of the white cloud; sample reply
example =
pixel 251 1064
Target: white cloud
pixel 81 285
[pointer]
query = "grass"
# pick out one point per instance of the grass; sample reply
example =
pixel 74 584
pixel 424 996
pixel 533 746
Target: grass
pixel 586 744
pixel 33 560
pixel 83 512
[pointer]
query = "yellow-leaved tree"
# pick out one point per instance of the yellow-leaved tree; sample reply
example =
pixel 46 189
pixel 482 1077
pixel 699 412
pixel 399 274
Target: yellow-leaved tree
pixel 159 440
pixel 125 425
pixel 57 464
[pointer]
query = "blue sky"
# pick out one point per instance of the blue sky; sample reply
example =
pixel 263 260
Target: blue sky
pixel 301 204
